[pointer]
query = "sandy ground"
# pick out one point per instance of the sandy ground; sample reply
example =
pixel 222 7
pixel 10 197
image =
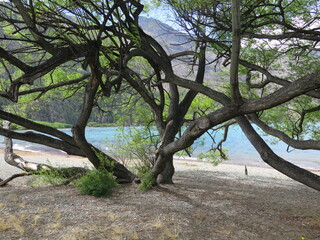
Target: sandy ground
pixel 206 202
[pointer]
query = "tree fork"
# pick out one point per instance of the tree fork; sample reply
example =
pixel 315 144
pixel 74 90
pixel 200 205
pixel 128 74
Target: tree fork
pixel 163 169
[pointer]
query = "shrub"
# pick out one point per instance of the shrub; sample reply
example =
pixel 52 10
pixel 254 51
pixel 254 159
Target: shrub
pixel 48 176
pixel 147 181
pixel 136 143
pixel 97 182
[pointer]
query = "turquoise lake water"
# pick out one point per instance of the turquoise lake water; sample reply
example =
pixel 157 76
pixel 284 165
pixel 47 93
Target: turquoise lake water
pixel 240 151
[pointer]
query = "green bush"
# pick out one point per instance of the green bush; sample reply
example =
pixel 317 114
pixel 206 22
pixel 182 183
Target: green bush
pixel 147 181
pixel 136 143
pixel 97 182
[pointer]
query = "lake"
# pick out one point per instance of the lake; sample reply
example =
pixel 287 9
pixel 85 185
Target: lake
pixel 240 151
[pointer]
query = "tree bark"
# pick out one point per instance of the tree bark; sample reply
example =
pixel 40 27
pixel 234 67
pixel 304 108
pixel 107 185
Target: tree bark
pixel 122 174
pixel 235 52
pixel 163 169
pixel 165 177
pixel 5 182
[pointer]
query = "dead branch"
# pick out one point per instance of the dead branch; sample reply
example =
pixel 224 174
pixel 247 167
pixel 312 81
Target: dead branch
pixel 32 168
pixel 4 182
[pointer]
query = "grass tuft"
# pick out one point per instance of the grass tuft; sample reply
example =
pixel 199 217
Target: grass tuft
pixel 3 225
pixel 17 223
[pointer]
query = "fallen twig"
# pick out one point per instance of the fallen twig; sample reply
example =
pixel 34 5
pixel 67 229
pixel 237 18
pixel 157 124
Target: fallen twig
pixel 4 182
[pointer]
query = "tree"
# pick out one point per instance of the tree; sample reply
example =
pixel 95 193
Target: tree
pixel 40 37
pixel 106 39
pixel 213 29
pixel 283 33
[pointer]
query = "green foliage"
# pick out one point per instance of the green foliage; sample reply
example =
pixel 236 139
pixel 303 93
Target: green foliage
pixel 134 35
pixel 150 5
pixel 97 182
pixel 14 126
pixel 148 180
pixel 200 106
pixel 262 54
pixel 214 156
pixel 57 125
pixel 129 110
pixel 137 144
pixel 52 177
pixel 288 118
pixel 301 59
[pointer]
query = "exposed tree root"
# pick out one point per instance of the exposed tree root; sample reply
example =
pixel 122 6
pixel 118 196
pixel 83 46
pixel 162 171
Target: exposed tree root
pixel 4 182
pixel 70 174
pixel 32 168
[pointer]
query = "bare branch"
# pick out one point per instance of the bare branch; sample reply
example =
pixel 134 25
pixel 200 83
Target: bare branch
pixel 298 144
pixel 43 90
pixel 301 175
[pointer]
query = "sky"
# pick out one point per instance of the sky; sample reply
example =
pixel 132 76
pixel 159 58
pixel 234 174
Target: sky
pixel 163 14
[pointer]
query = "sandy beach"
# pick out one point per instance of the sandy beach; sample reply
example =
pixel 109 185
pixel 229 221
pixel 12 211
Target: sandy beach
pixel 206 202
pixel 231 171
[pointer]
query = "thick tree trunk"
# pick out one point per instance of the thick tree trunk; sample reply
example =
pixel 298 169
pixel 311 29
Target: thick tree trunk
pixel 163 169
pixel 165 177
pixel 101 160
pixel 122 174
pixel 268 156
pixel 95 156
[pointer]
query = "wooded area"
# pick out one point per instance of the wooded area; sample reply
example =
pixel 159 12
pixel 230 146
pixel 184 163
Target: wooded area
pixel 96 51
